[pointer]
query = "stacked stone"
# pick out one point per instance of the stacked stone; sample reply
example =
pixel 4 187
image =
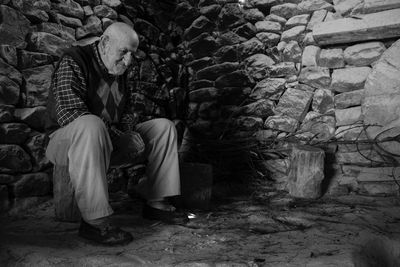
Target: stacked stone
pixel 33 35
pixel 257 68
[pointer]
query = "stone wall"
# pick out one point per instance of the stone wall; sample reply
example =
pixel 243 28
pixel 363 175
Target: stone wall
pixel 33 35
pixel 259 77
pixel 286 72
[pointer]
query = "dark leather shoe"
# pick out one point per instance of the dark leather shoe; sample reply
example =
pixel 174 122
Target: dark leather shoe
pixel 105 235
pixel 170 217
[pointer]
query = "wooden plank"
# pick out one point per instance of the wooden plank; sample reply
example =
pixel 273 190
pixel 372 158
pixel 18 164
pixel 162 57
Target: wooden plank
pixel 372 6
pixel 65 207
pixel 381 25
pixel 306 172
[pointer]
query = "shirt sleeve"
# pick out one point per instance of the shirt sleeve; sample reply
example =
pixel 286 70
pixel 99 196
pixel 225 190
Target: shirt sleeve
pixel 69 91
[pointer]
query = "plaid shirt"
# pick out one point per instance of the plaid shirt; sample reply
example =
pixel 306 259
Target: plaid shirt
pixel 145 101
pixel 70 95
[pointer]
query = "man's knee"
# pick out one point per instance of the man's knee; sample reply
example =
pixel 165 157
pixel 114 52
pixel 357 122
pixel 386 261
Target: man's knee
pixel 164 126
pixel 91 126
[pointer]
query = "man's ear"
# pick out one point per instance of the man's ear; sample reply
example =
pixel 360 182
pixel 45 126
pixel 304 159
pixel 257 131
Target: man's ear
pixel 104 40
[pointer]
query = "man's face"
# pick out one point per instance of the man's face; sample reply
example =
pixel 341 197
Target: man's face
pixel 119 54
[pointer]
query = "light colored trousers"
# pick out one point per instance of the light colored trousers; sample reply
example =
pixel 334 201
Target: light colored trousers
pixel 85 146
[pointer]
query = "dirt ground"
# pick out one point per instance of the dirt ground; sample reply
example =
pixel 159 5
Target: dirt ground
pixel 272 231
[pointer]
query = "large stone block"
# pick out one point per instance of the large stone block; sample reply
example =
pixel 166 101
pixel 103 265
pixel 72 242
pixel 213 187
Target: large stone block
pixel 13 159
pixel 203 45
pixel 185 14
pixel 250 47
pixel 321 127
pixel 9 91
pixel 331 58
pixel 92 27
pixel 296 34
pixel 276 18
pixel 246 30
pixel 33 184
pixel 351 132
pixel 379 110
pixel 37 84
pixel 230 38
pixel 348 116
pixel 200 25
pixel 269 88
pixel 262 108
pixel 112 3
pixel 30 59
pixel 372 6
pixel 48 43
pixel 317 77
pixel 212 11
pixel 344 7
pixel 323 101
pixel 258 66
pixel 33 9
pixel 103 11
pixel 13 133
pixel 318 16
pixel 268 26
pixel 374 26
pixel 309 6
pixel 292 52
pixel 349 79
pixel 9 54
pixel 294 103
pixel 57 29
pixel 283 69
pixel 269 39
pixel 285 10
pixel 69 8
pixel 363 54
pixel 253 15
pixel 310 55
pixel 213 72
pixel 298 20
pixel 349 99
pixel 68 21
pixel 10 72
pixel 13 27
pixel 231 14
pixel 281 123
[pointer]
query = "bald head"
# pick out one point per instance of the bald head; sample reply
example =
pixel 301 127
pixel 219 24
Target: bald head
pixel 117 45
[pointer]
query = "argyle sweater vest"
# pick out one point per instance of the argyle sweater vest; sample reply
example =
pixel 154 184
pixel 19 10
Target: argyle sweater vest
pixel 104 97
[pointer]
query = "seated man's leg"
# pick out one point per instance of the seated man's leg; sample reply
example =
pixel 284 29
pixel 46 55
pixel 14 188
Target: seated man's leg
pixel 162 170
pixel 85 146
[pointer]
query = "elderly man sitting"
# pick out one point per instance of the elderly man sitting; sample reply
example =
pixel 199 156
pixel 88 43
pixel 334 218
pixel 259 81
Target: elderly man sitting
pixel 89 126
